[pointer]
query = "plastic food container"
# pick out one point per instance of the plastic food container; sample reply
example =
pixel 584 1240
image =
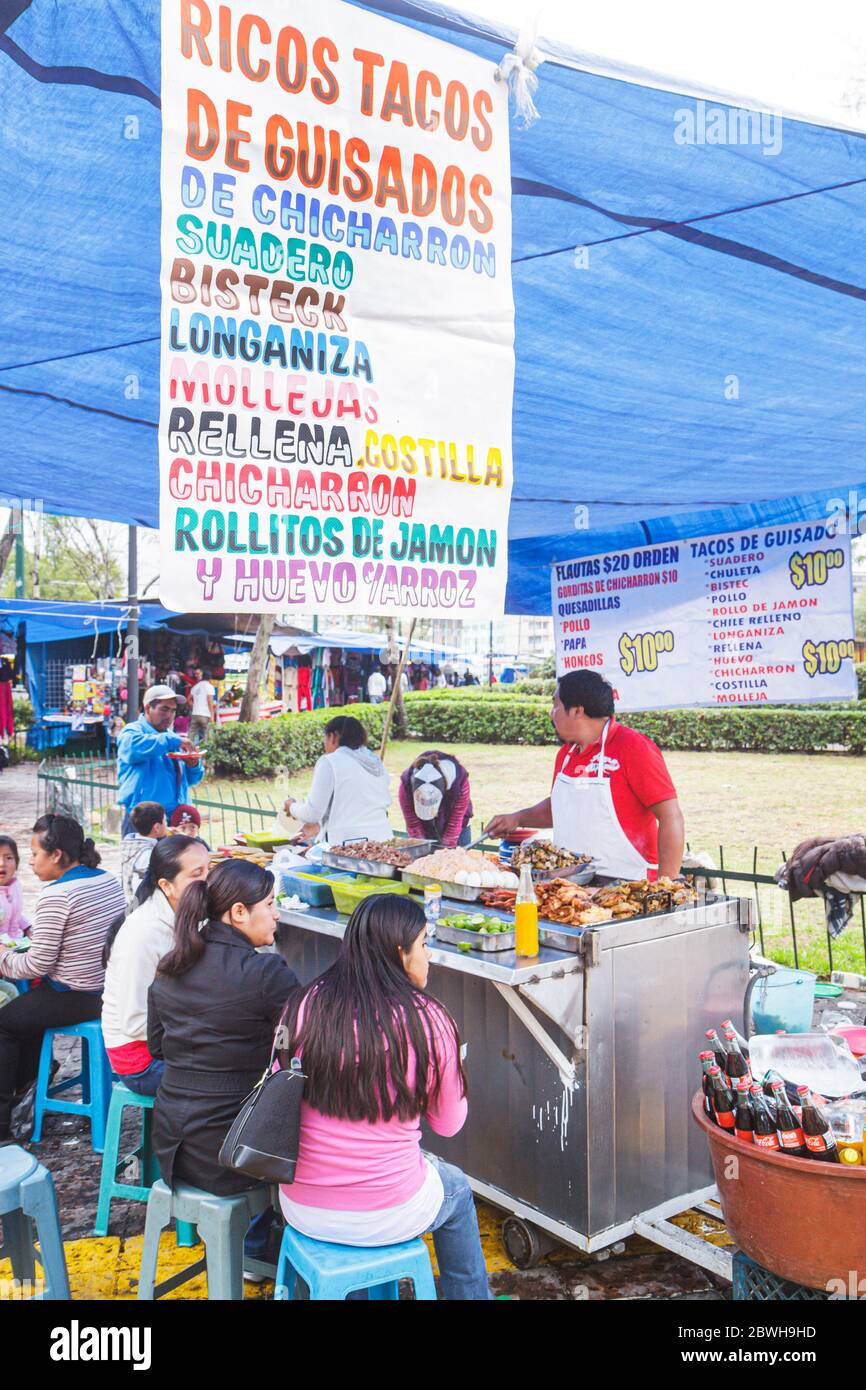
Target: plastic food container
pixel 348 895
pixel 314 889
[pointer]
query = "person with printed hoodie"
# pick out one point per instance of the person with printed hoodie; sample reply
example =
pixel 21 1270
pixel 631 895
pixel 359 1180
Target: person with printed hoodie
pixel 145 772
pixel 350 795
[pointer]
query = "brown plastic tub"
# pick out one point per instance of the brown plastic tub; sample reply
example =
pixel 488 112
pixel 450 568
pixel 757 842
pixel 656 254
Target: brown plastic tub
pixel 802 1220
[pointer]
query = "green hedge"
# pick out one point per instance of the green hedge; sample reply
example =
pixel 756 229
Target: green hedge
pixel 440 717
pixel 282 745
pixel 498 719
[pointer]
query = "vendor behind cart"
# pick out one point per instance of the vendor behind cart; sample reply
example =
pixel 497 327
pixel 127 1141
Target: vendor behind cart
pixel 612 796
pixel 350 795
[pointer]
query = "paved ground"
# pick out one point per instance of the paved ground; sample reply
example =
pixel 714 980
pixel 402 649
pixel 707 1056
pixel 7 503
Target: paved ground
pixel 107 1268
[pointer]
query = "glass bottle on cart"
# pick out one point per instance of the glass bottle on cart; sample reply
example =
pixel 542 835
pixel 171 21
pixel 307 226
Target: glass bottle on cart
pixel 526 915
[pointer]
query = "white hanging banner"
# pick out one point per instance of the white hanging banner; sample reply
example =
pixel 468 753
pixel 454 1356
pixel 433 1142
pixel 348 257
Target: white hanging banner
pixel 337 316
pixel 749 617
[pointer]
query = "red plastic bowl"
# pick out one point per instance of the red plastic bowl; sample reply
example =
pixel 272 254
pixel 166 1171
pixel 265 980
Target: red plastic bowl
pixel 855 1038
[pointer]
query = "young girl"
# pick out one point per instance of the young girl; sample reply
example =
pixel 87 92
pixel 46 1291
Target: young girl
pixel 13 923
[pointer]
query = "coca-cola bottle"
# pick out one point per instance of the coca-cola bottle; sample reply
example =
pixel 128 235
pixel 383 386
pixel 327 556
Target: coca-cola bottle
pixel 706 1060
pixel 744 1115
pixel 715 1042
pixel 765 1121
pixel 728 1025
pixel 790 1133
pixel 767 1087
pixel 819 1137
pixel 722 1097
pixel 736 1065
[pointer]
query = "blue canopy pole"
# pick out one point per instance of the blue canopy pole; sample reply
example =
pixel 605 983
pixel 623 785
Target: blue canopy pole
pixel 132 628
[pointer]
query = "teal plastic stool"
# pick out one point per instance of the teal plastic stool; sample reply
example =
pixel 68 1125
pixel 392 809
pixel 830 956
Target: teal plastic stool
pixel 94 1080
pixel 27 1196
pixel 222 1224
pixel 113 1164
pixel 333 1271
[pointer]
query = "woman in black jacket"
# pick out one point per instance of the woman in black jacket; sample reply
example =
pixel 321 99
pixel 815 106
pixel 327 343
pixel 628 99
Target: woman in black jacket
pixel 212 1011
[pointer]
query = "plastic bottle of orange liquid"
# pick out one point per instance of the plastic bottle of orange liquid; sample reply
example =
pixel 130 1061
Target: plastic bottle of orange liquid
pixel 526 915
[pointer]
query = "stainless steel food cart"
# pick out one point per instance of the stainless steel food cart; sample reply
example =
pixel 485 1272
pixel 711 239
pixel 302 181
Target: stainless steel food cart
pixel 582 1063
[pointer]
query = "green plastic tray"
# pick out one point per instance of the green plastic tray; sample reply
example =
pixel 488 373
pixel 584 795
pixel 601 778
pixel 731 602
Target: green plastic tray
pixel 348 895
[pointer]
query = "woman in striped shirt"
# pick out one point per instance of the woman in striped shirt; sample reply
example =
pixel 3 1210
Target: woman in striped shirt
pixel 75 909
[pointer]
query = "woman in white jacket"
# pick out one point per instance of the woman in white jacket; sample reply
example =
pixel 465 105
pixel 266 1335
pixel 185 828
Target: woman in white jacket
pixel 350 795
pixel 134 948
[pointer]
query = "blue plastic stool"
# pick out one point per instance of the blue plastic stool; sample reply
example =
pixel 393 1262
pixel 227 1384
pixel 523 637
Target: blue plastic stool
pixel 222 1224
pixel 333 1271
pixel 113 1164
pixel 27 1195
pixel 94 1080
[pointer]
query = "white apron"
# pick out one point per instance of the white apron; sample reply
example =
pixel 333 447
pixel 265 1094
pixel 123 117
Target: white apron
pixel 585 821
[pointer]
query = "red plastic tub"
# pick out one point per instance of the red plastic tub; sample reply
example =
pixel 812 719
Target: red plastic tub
pixel 802 1220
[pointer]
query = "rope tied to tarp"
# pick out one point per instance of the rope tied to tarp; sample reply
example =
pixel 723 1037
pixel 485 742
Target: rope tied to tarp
pixel 518 69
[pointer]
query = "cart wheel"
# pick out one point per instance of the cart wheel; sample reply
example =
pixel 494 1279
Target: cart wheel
pixel 524 1244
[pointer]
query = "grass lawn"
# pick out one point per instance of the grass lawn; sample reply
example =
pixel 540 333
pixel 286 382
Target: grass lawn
pixel 735 800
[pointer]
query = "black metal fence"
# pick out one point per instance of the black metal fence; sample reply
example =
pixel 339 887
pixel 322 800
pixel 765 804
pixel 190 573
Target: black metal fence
pixel 792 933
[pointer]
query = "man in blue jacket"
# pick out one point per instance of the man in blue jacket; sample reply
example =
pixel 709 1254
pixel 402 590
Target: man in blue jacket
pixel 144 771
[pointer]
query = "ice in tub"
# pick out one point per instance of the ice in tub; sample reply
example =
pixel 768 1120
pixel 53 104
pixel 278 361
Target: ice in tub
pixel 820 1061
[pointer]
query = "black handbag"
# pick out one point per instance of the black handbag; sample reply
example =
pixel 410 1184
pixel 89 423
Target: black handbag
pixel 264 1138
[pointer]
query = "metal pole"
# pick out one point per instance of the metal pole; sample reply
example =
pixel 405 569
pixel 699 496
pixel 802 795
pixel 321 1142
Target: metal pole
pixel 19 554
pixel 490 658
pixel 132 693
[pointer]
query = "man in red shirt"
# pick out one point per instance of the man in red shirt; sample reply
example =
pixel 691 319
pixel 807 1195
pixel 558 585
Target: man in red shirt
pixel 612 796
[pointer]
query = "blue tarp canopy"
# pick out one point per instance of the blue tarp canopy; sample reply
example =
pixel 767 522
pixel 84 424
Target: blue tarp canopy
pixel 700 367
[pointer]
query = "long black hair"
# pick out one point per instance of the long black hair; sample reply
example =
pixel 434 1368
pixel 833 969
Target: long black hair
pixel 166 861
pixel 65 834
pixel 349 730
pixel 363 1018
pixel 203 901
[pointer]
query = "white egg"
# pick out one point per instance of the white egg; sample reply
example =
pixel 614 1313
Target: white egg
pixel 460 876
pixel 487 880
pixel 473 880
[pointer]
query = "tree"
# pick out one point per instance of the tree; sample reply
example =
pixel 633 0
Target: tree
pixel 250 701
pixel 68 558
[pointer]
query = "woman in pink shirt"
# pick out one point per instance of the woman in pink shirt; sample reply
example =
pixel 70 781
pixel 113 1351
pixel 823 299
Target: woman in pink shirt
pixel 381 1055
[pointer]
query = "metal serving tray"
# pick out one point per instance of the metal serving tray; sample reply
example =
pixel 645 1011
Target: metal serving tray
pixel 461 892
pixel 499 941
pixel 352 865
pixel 416 848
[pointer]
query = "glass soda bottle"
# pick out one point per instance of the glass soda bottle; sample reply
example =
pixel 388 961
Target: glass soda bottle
pixel 736 1065
pixel 744 1116
pixel 715 1043
pixel 790 1133
pixel 765 1121
pixel 526 915
pixel 819 1137
pixel 723 1099
pixel 728 1024
pixel 706 1061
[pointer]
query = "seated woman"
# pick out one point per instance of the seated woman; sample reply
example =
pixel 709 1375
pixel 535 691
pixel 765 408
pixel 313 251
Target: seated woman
pixel 133 950
pixel 435 799
pixel 73 914
pixel 380 1055
pixel 350 796
pixel 212 1010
